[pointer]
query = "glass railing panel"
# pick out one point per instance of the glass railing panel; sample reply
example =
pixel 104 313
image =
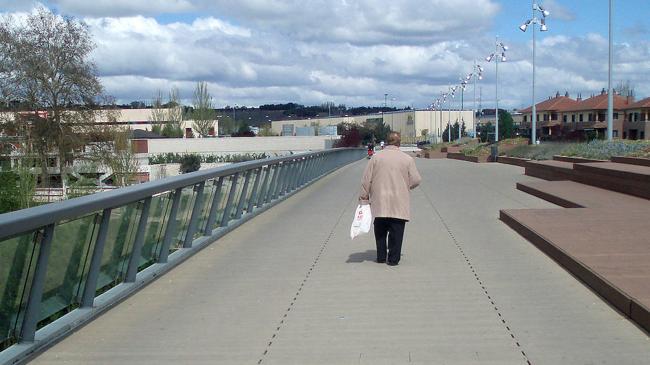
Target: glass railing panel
pixel 155 231
pixel 208 195
pixel 67 267
pixel 122 227
pixel 18 257
pixel 223 198
pixel 188 196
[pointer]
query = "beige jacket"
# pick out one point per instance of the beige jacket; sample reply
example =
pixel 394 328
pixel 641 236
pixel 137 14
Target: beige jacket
pixel 389 176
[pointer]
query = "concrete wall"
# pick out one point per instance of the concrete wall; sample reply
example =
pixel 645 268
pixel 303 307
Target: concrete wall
pixel 232 145
pixel 409 123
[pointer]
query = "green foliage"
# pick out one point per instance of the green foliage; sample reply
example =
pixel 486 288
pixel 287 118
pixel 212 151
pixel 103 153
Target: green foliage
pixel 454 132
pixel 506 125
pixel 177 158
pixel 172 130
pixel 9 192
pixel 372 131
pixel 82 186
pixel 190 163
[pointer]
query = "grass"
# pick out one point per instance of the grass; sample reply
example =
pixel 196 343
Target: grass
pixel 604 150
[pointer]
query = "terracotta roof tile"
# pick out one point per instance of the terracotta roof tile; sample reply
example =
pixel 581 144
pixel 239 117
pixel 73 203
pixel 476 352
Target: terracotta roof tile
pixel 558 103
pixel 598 102
pixel 644 103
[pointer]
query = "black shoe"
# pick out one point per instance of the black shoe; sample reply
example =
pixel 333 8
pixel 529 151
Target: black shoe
pixel 379 261
pixel 392 263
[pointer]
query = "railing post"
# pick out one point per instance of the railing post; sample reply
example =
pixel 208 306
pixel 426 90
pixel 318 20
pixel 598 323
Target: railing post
pixel 231 196
pixel 242 198
pixel 194 218
pixel 278 180
pixel 88 298
pixel 132 270
pixel 207 230
pixel 33 310
pixel 261 196
pixel 253 200
pixel 296 175
pixel 273 182
pixel 170 230
pixel 286 188
pixel 305 171
pixel 310 170
pixel 287 178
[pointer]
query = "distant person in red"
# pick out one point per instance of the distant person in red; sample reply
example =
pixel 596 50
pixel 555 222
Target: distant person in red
pixel 371 149
pixel 386 185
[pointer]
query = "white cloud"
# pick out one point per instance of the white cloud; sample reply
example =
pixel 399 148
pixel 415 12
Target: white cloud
pixel 254 52
pixel 558 11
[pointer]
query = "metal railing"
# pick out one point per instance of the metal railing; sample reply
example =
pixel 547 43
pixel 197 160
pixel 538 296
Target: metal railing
pixel 58 259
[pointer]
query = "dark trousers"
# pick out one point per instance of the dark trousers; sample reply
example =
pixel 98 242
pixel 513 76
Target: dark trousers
pixel 391 230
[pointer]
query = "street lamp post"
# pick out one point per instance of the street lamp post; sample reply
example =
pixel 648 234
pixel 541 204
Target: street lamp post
pixel 610 92
pixel 477 74
pixel 542 28
pixel 496 57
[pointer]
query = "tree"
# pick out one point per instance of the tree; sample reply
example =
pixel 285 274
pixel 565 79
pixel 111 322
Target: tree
pixel 116 153
pixel 454 132
pixel 350 136
pixel 45 67
pixel 190 163
pixel 506 125
pixel 157 117
pixel 625 89
pixel 173 126
pixel 203 114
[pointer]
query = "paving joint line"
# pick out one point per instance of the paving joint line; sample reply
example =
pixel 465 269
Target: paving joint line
pixel 459 247
pixel 304 281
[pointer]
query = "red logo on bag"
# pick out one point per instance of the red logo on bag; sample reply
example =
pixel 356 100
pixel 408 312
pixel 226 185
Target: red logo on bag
pixel 360 215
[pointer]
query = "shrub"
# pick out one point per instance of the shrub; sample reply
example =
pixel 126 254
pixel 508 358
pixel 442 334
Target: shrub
pixel 190 163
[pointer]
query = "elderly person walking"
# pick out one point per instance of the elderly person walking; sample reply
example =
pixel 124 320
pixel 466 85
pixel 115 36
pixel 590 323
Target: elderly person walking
pixel 388 178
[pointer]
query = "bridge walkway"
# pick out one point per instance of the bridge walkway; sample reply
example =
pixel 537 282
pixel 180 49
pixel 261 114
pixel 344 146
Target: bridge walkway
pixel 290 287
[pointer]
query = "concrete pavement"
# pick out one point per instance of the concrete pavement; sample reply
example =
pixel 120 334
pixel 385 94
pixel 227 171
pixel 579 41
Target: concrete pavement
pixel 289 287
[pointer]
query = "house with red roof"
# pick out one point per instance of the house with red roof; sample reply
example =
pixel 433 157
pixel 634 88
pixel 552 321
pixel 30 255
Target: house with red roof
pixel 565 117
pixel 637 120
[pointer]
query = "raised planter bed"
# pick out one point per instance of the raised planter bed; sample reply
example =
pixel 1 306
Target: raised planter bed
pixel 517 161
pixel 463 157
pixel 624 178
pixel 632 160
pixel 575 159
pixel 550 170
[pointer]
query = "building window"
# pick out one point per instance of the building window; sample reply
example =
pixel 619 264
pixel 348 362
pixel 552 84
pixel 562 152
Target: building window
pixel 591 117
pixel 573 118
pixel 546 117
pixel 554 116
pixel 642 135
pixel 525 118
pixel 615 133
pixel 564 118
pixel 582 118
pixel 615 115
pixel 537 116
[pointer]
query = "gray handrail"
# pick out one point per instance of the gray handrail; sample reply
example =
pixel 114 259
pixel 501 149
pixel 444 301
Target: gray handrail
pixel 25 220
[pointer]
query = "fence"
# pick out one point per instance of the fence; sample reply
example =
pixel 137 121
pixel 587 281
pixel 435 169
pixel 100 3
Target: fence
pixel 66 259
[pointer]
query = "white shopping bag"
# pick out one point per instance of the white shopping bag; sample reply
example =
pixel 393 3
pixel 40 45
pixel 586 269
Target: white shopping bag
pixel 362 221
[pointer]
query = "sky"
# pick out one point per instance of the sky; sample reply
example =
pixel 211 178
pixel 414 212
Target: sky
pixel 354 52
